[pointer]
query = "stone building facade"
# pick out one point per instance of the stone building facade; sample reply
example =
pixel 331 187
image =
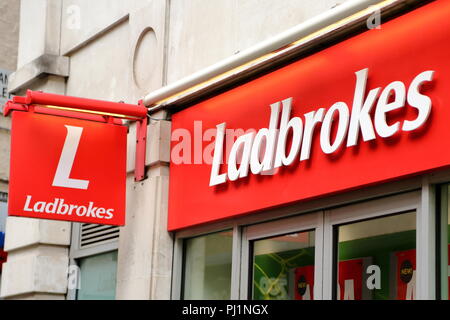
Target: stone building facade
pixel 120 51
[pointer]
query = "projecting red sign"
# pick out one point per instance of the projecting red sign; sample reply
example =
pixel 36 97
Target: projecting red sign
pixel 370 109
pixel 67 169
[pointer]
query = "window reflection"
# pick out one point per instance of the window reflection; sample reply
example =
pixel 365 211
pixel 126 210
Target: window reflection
pixel 377 259
pixel 207 266
pixel 283 267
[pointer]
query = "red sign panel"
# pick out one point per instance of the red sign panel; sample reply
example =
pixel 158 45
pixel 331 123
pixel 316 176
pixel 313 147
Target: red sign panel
pixel 370 109
pixel 350 285
pixel 3 258
pixel 67 169
pixel 304 283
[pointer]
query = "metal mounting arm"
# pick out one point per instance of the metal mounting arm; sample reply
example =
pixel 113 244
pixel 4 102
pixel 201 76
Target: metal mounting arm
pixel 88 109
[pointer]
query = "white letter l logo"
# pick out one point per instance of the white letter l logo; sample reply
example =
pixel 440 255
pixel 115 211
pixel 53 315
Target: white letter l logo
pixel 66 161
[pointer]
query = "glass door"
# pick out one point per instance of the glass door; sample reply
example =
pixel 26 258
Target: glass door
pixel 284 259
pixel 372 249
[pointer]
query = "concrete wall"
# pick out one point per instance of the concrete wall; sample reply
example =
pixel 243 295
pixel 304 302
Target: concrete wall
pixel 9 24
pixel 5 125
pixel 204 32
pixel 38 260
pixel 121 50
pixel 9 36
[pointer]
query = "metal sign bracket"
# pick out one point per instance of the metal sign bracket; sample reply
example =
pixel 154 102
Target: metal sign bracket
pixel 88 109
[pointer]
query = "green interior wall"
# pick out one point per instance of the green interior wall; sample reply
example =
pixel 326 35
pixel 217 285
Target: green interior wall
pixel 380 248
pixel 277 265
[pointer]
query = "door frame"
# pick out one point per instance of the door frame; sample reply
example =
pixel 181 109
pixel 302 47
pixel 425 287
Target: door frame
pixel 305 222
pixel 324 221
pixel 397 204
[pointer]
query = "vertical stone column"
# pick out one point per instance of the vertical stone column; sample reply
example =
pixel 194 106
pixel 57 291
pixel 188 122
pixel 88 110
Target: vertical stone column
pixel 145 245
pixel 38 250
pixel 38 259
pixel 39 32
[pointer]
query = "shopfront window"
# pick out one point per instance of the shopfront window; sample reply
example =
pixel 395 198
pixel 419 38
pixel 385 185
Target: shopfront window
pixel 283 267
pixel 444 243
pixel 98 277
pixel 377 259
pixel 207 267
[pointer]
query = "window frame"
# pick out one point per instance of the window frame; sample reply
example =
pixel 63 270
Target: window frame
pixel 442 222
pixel 183 262
pixel 423 185
pixel 76 253
pixel 307 222
pixel 383 207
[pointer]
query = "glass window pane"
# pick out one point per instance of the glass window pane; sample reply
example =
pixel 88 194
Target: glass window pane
pixel 283 267
pixel 446 258
pixel 445 243
pixel 98 277
pixel 377 259
pixel 207 267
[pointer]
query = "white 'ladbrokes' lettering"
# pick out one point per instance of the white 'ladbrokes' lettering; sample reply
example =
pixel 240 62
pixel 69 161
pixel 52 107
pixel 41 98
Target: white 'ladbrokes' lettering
pixel 393 97
pixel 59 207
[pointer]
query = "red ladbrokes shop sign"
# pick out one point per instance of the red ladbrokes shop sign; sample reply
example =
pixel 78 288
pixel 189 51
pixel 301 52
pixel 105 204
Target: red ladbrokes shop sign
pixel 370 109
pixel 67 169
